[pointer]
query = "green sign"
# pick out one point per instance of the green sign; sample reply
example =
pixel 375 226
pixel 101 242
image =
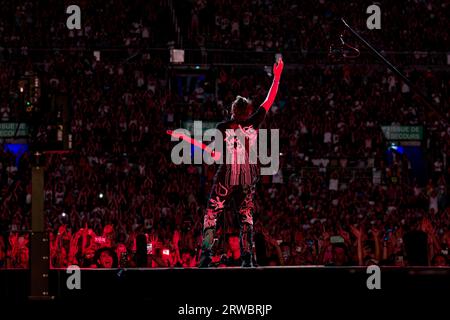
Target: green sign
pixel 204 125
pixel 8 129
pixel 403 132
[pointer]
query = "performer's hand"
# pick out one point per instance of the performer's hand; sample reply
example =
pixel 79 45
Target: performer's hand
pixel 278 69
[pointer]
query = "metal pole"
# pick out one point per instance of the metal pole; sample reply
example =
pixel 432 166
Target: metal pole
pixel 40 245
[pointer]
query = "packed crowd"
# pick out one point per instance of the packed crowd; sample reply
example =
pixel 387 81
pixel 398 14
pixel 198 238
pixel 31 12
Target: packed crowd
pixel 27 25
pixel 268 25
pixel 118 201
pixel 120 183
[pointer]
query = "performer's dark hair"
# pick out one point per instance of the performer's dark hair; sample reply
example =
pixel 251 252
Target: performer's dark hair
pixel 240 108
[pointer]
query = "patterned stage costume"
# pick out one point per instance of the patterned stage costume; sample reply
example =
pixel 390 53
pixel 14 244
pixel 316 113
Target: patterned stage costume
pixel 238 179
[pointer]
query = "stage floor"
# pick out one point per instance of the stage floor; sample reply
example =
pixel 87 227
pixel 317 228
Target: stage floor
pixel 283 292
pixel 215 284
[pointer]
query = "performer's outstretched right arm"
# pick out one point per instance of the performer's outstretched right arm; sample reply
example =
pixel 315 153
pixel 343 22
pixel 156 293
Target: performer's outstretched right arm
pixel 277 69
pixel 258 116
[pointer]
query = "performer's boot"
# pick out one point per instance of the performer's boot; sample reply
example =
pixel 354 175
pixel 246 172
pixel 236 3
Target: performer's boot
pixel 207 243
pixel 246 242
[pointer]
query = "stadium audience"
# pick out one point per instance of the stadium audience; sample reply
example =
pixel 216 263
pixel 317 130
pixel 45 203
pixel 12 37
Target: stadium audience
pixel 341 197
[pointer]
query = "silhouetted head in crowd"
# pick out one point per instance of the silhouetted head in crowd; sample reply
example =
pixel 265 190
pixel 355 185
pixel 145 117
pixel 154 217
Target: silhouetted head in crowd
pixel 439 260
pixel 340 257
pixel 106 258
